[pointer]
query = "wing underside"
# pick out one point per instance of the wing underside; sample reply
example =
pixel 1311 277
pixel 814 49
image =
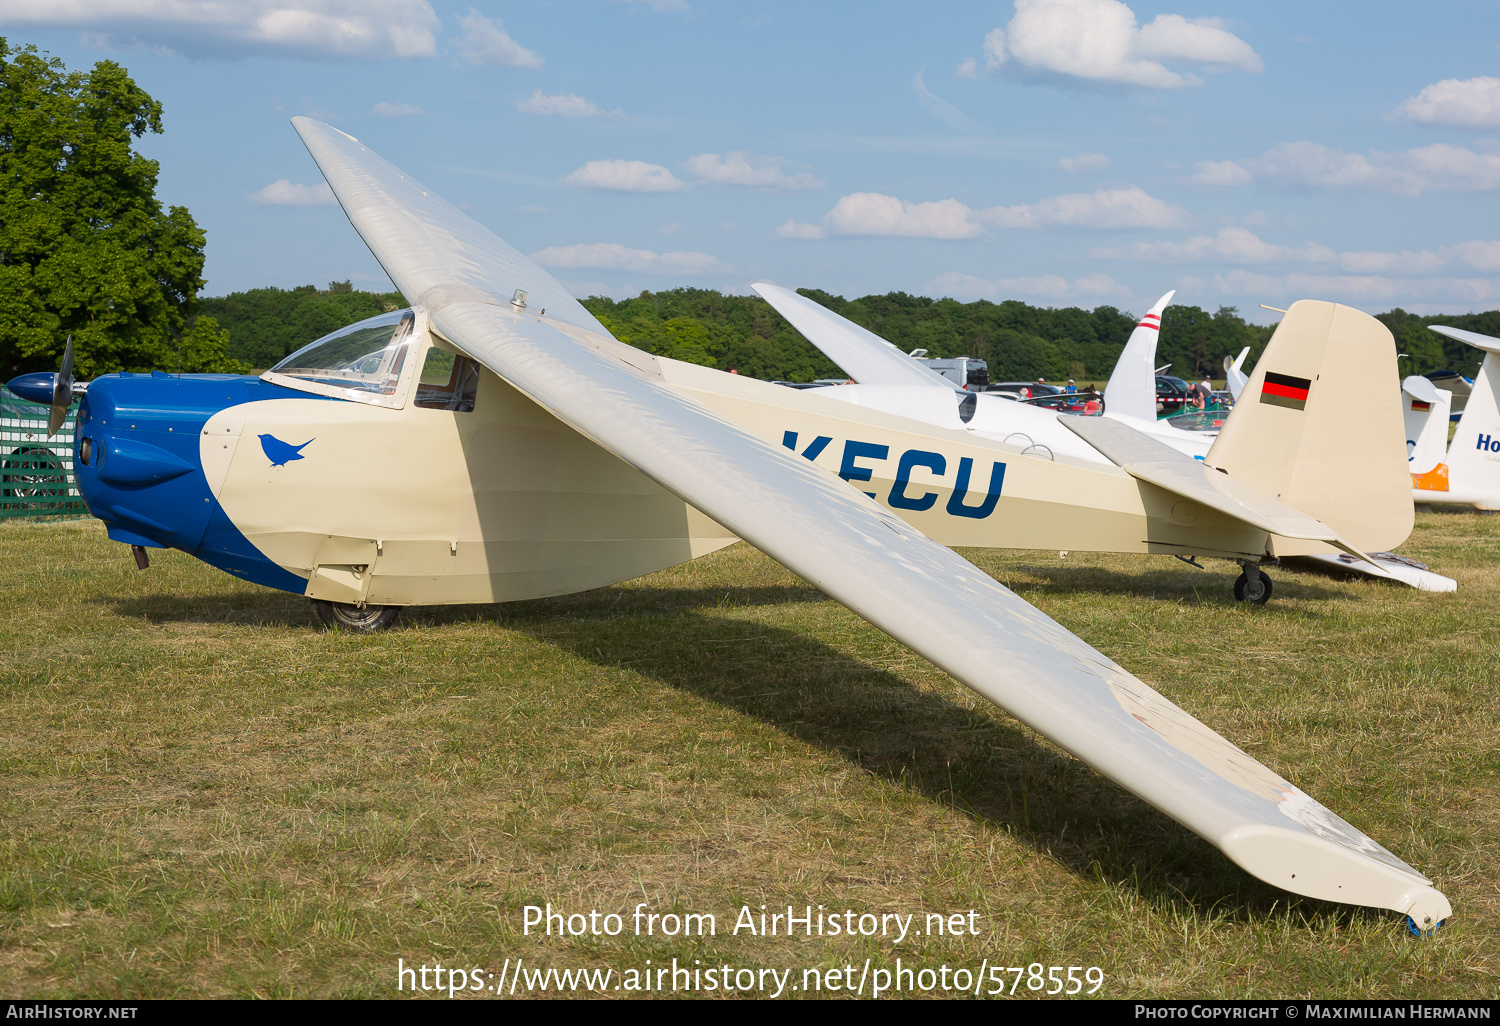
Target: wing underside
pixel 919 592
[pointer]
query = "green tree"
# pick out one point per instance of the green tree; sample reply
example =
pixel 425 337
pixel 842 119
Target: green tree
pixel 85 248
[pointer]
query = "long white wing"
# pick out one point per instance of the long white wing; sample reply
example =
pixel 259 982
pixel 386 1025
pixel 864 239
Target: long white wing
pixel 921 593
pixel 861 354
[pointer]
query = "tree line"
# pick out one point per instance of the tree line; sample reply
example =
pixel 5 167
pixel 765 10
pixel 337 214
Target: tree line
pixel 1020 342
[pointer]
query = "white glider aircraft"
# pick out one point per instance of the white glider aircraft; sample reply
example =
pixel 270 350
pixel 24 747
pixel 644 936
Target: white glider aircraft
pixel 1339 465
pixel 493 442
pixel 1465 472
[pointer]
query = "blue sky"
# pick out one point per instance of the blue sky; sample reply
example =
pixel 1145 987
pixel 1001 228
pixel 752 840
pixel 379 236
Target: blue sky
pixel 1061 152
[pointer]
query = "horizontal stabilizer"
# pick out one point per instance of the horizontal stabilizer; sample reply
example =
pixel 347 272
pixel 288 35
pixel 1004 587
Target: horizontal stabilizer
pixel 1391 567
pixel 1420 388
pixel 1474 338
pixel 1155 462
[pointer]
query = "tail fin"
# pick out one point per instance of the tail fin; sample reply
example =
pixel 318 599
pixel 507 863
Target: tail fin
pixel 1132 384
pixel 1424 411
pixel 1474 455
pixel 1319 425
pixel 1235 374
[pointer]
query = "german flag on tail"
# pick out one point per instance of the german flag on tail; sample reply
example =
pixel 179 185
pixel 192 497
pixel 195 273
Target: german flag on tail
pixel 1285 390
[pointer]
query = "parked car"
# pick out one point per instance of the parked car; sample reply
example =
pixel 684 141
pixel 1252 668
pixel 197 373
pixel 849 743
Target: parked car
pixel 966 372
pixel 1171 395
pixel 1024 389
pixel 1088 404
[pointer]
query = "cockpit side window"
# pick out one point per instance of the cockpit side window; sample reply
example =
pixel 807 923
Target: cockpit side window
pixel 448 382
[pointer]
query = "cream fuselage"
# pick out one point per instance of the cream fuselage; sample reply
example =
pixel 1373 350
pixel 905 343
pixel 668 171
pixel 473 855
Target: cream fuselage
pixel 407 505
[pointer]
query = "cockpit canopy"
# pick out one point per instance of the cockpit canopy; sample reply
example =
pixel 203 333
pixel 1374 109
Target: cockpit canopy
pixel 368 362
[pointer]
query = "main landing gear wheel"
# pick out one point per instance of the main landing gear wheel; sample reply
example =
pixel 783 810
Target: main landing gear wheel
pixel 1252 586
pixel 345 617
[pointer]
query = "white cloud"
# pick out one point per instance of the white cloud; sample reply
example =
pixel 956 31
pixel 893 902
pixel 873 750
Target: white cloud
pixel 1097 40
pixel 1439 167
pixel 871 213
pixel 1368 289
pixel 1130 207
pixel 565 105
pixel 397 110
pixel 1457 103
pixel 1482 256
pixel 1171 37
pixel 283 193
pixel 1050 286
pixel 799 230
pixel 624 176
pixel 485 41
pixel 1239 246
pixel 1219 172
pixel 750 170
pixel 614 257
pixel 968 69
pixel 1083 163
pixel 310 29
pixel 1368 262
pixel 1230 245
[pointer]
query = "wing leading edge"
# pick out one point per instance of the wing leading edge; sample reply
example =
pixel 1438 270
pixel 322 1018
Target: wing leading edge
pixel 919 592
pixel 861 354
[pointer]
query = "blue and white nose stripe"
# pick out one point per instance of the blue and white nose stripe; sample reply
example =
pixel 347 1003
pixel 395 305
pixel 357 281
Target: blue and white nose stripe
pixel 140 469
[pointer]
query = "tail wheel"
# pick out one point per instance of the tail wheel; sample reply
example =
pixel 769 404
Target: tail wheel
pixel 1252 586
pixel 1426 929
pixel 345 617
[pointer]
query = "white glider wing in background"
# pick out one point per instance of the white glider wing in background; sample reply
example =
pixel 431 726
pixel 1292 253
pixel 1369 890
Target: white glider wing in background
pixel 861 354
pixel 919 592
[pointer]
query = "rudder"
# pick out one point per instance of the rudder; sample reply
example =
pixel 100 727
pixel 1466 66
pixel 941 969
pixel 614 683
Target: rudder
pixel 1319 426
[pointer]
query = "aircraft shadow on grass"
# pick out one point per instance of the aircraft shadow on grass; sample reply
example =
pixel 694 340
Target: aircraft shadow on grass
pixel 279 609
pixel 992 770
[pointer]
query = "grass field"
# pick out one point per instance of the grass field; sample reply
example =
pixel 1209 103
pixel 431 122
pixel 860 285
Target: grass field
pixel 204 795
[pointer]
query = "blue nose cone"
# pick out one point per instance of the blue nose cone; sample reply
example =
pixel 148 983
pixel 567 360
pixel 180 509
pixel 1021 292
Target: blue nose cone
pixel 281 453
pixel 38 387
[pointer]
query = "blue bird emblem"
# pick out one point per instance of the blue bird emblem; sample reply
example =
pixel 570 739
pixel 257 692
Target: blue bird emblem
pixel 281 453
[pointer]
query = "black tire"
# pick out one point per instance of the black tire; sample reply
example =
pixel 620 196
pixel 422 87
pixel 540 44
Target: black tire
pixel 341 616
pixel 1256 590
pixel 33 478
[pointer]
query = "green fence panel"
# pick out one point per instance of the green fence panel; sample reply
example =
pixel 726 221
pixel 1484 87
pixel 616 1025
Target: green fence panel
pixel 36 472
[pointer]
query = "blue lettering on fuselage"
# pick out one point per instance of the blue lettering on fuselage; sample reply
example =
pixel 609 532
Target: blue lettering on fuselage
pixel 900 496
pixel 1489 444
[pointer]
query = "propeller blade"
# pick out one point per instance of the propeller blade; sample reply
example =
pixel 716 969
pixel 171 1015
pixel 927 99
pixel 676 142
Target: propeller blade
pixel 62 391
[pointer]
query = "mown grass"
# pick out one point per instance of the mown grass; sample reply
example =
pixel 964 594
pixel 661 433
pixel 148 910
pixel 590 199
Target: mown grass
pixel 204 795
